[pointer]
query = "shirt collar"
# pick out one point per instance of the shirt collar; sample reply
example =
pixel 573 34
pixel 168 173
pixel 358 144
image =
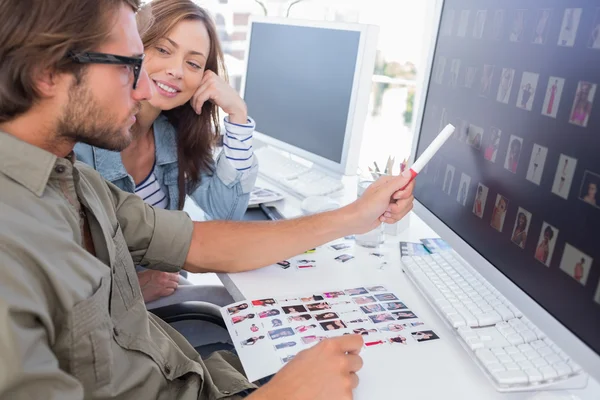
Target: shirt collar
pixel 25 163
pixel 165 139
pixel 110 165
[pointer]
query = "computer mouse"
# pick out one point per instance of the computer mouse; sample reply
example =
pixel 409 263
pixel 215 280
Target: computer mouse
pixel 317 204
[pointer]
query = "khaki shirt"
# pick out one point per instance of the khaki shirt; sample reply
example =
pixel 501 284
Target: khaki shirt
pixel 74 325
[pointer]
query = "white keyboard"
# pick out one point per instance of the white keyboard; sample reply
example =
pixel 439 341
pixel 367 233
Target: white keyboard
pixel 277 165
pixel 511 350
pixel 293 176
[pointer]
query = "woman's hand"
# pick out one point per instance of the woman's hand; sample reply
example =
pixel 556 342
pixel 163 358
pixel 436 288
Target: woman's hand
pixel 157 284
pixel 214 88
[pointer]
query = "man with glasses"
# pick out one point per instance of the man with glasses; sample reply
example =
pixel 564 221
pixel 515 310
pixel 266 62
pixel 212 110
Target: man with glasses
pixel 73 323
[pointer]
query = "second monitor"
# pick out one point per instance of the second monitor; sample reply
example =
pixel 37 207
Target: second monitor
pixel 307 85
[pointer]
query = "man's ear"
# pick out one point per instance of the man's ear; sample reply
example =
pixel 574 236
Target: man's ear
pixel 48 82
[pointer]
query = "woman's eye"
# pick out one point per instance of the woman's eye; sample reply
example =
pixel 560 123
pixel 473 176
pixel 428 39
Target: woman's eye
pixel 194 65
pixel 161 50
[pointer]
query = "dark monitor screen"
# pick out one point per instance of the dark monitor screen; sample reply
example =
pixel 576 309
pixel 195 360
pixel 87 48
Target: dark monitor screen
pixel 519 180
pixel 299 83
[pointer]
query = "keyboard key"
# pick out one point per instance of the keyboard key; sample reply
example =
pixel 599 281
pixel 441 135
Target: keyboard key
pixel 515 339
pixel 448 310
pixel 497 303
pixel 474 343
pixel 485 337
pixel 508 331
pixel 498 351
pixel 553 359
pixel 519 357
pixel 512 350
pixel 518 325
pixel 504 312
pixel 469 318
pixel 574 366
pixel 538 344
pixel 486 356
pixel 562 369
pixel 528 336
pixel 495 367
pixel 539 362
pixel 534 375
pixel 489 318
pixel 565 357
pixel 539 334
pixel 487 309
pixel 531 354
pixel 527 322
pixel 512 367
pixel 505 359
pixel 525 347
pixel 514 310
pixel 522 328
pixel 476 313
pixel 525 365
pixel 456 320
pixel 548 372
pixel 468 303
pixel 545 351
pixel 472 336
pixel 503 325
pixel 510 377
pixel 481 303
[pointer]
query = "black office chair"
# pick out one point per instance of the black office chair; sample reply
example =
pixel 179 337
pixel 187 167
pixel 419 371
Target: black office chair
pixel 190 310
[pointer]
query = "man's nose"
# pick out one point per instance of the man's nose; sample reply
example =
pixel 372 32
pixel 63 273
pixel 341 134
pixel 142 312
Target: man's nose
pixel 144 90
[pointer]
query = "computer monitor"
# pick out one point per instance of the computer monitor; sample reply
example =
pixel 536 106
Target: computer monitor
pixel 307 85
pixel 515 190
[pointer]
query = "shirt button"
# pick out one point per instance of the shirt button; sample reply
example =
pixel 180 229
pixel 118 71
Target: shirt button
pixel 115 331
pixel 226 392
pixel 168 369
pixel 59 169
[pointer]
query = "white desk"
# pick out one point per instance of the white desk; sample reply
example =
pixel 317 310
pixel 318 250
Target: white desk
pixel 440 370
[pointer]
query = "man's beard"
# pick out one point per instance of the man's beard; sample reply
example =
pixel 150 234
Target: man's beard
pixel 85 121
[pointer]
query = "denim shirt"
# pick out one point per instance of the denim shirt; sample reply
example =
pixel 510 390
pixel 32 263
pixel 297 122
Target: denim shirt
pixel 222 194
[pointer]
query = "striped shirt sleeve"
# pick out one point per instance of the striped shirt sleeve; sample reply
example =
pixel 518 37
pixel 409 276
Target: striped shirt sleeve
pixel 237 144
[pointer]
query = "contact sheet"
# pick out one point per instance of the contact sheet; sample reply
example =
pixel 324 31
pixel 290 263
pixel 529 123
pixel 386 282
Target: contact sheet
pixel 269 332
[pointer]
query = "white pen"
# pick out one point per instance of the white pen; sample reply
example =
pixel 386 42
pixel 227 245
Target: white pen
pixel 429 152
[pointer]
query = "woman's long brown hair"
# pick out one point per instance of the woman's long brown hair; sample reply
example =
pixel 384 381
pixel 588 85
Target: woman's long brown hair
pixel 196 134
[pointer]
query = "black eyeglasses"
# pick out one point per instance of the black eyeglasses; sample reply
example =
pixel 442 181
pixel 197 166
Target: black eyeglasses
pixel 102 58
